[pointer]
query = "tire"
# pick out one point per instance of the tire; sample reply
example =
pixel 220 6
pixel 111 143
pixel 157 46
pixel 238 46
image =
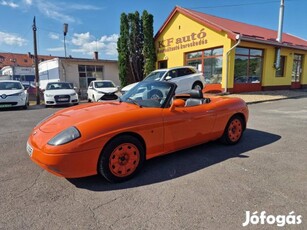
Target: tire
pixel 197 86
pixel 155 94
pixel 233 131
pixel 121 159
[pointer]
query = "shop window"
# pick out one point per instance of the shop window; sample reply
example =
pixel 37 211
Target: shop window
pixel 213 70
pixel 209 62
pixel 297 67
pixel 162 64
pixel 280 71
pixel 88 73
pixel 248 65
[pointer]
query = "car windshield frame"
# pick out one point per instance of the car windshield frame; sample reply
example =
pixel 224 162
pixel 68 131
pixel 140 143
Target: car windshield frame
pixel 5 85
pixel 140 94
pixel 67 86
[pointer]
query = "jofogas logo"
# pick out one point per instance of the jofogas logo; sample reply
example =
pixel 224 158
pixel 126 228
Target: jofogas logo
pixel 262 218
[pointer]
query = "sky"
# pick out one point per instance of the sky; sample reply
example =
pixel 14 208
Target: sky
pixel 94 25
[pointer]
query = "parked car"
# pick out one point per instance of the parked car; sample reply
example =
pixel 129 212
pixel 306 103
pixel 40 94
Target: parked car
pixel 100 90
pixel 185 77
pixel 114 139
pixel 13 94
pixel 60 93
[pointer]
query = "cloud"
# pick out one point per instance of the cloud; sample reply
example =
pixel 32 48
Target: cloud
pixel 12 39
pixel 54 36
pixel 59 11
pixel 54 11
pixel 86 43
pixel 83 7
pixel 10 4
pixel 28 2
pixel 56 49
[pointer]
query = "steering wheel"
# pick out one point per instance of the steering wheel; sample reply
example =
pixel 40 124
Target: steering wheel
pixel 155 94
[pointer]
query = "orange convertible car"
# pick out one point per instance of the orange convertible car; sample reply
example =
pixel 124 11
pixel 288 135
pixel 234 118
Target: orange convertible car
pixel 115 138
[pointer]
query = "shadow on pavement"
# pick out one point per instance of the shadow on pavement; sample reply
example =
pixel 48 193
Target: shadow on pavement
pixel 183 162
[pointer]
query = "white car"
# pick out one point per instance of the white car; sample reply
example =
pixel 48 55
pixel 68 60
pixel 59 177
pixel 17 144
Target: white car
pixel 60 93
pixel 100 90
pixel 13 94
pixel 185 77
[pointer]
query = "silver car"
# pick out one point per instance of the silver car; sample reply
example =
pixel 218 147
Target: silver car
pixel 185 77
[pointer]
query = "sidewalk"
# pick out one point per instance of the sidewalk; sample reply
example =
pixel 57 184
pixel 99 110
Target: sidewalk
pixel 262 96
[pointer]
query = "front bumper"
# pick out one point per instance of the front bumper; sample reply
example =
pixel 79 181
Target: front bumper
pixel 68 165
pixel 61 100
pixel 13 101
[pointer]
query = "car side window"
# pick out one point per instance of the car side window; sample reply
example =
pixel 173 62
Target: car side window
pixel 172 73
pixel 184 72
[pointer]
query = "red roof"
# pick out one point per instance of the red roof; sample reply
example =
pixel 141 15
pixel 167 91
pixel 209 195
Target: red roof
pixel 23 60
pixel 232 28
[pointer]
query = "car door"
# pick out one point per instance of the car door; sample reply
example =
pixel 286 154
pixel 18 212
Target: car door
pixel 182 80
pixel 187 126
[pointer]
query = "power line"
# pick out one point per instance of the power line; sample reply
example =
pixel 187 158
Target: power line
pixel 241 4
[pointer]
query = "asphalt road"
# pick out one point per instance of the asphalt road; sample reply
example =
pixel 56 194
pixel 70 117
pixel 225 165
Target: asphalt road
pixel 206 187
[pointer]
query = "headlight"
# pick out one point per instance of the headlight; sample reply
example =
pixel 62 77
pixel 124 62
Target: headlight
pixel 48 95
pixel 73 94
pixel 65 136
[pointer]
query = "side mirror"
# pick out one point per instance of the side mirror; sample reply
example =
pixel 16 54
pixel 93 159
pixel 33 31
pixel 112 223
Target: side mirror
pixel 177 103
pixel 168 78
pixel 90 87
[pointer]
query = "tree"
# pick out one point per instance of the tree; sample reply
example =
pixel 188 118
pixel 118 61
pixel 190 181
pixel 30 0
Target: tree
pixel 123 51
pixel 136 46
pixel 149 45
pixel 136 50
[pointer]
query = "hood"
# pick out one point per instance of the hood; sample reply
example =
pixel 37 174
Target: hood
pixel 107 90
pixel 128 87
pixel 83 114
pixel 10 92
pixel 59 91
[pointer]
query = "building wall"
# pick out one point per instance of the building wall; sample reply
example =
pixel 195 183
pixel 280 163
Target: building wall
pixel 182 35
pixel 178 37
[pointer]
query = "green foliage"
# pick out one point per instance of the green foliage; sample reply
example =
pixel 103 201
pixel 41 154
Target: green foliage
pixel 149 45
pixel 136 50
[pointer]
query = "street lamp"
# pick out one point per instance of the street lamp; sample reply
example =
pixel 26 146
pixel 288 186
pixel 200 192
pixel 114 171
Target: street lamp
pixel 65 30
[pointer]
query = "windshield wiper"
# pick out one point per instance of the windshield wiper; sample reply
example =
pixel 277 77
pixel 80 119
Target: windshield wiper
pixel 134 101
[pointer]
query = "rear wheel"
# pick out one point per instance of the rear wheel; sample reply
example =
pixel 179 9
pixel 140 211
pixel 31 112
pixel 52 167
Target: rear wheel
pixel 197 86
pixel 233 131
pixel 121 159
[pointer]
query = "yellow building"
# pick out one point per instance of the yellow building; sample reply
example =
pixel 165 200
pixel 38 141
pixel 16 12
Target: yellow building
pixel 233 56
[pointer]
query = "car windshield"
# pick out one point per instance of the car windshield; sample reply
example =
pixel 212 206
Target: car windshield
pixel 150 94
pixel 10 85
pixel 155 76
pixel 59 85
pixel 104 84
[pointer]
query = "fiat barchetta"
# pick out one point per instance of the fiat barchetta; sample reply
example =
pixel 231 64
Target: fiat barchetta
pixel 114 138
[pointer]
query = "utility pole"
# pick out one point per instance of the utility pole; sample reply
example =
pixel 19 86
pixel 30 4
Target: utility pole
pixel 65 30
pixel 279 35
pixel 36 62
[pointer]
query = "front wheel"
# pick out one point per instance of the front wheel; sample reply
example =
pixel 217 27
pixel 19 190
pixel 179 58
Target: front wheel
pixel 233 131
pixel 121 159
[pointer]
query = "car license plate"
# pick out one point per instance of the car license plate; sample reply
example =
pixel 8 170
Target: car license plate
pixel 29 149
pixel 63 99
pixel 5 105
